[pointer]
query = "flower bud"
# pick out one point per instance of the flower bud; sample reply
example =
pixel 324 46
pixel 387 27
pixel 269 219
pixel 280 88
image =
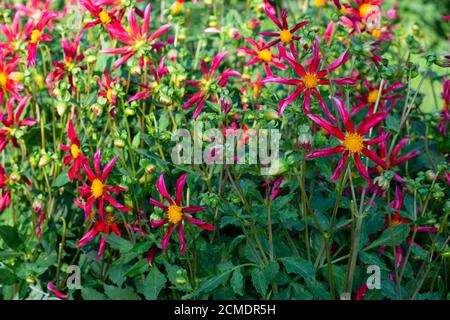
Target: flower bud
pixel 119 143
pixel 150 169
pixel 44 160
pixel 61 107
pixel 270 114
pixel 129 112
pixel 97 109
pixel 91 59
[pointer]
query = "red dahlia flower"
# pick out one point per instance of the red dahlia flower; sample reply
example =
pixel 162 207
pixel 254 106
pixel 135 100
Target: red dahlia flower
pixel 139 38
pixel 8 77
pixel 12 121
pixel 176 214
pixel 445 112
pixel 209 83
pixel 398 220
pixel 394 160
pixel 71 59
pixel 157 73
pixel 352 141
pixel 259 54
pixel 5 197
pixel 13 34
pixel 98 190
pixel 310 80
pixel 104 227
pixel 38 35
pixel 101 16
pixel 109 92
pixel 286 34
pixel 370 98
pixel 75 154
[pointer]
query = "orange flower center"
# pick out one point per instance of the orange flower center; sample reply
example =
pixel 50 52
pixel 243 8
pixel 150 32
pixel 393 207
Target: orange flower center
pixel 364 10
pixel 376 33
pixel 110 94
pixel 97 188
pixel 373 96
pixel 75 151
pixel 176 8
pixel 109 219
pixel 35 35
pixel 104 17
pixel 174 213
pixel 310 80
pixel 285 36
pixel 3 79
pixel 319 3
pixel 353 142
pixel 265 55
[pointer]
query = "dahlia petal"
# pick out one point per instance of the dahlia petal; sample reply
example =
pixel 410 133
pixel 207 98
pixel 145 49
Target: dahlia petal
pixel 370 122
pixel 338 171
pixel 179 188
pixel 181 236
pixel 201 224
pixel 166 238
pixel 327 126
pixel 161 186
pixel 325 152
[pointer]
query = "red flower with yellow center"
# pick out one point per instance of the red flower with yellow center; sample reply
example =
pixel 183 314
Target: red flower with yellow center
pixel 38 35
pixel 176 213
pixel 209 84
pixel 368 99
pixel 75 155
pixel 137 38
pixel 109 92
pixel 8 77
pixel 352 141
pixel 310 80
pixel 12 121
pixel 259 54
pixel 286 34
pixel 98 191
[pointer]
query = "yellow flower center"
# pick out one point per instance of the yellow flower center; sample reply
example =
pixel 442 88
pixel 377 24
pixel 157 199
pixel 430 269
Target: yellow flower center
pixel 353 142
pixel 75 151
pixel 310 80
pixel 364 9
pixel 285 36
pixel 174 213
pixel 104 17
pixel 373 96
pixel 176 8
pixel 265 55
pixel 343 9
pixel 376 33
pixel 97 188
pixel 319 3
pixel 444 105
pixel 3 79
pixel 35 35
pixel 110 94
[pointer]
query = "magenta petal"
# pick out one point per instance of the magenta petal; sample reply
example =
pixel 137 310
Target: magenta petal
pixel 339 61
pixel 179 189
pixel 201 224
pixel 166 238
pixel 101 248
pixel 325 152
pixel 327 126
pixel 51 287
pixel 108 168
pixel 158 223
pixel 161 186
pixel 87 237
pixel 338 171
pixel 360 166
pixel 370 122
pixel 181 236
pixel 192 209
pixel 158 204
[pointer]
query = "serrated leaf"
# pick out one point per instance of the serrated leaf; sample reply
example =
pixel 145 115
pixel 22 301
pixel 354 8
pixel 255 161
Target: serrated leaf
pixel 61 180
pixel 115 293
pixel 7 277
pixel 298 265
pixel 259 281
pixel 10 236
pixel 209 285
pixel 118 243
pixel 91 294
pixel 237 282
pixel 153 284
pixel 399 234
